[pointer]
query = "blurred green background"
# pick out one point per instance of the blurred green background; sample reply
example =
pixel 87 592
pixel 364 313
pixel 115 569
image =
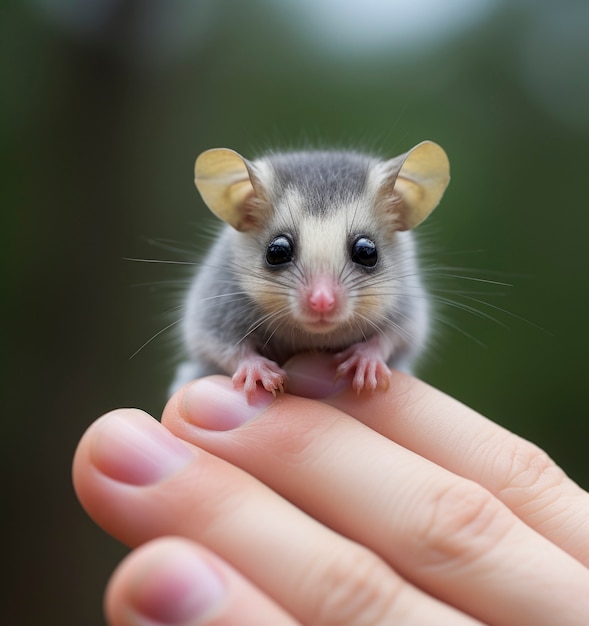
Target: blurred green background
pixel 105 105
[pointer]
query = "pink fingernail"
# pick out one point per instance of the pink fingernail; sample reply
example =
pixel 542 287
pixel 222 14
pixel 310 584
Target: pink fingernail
pixel 214 404
pixel 182 588
pixel 133 448
pixel 314 376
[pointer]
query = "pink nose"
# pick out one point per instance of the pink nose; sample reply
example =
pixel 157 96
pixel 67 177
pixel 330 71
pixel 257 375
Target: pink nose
pixel 322 299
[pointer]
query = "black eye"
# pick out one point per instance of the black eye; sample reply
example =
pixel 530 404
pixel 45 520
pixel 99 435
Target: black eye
pixel 279 251
pixel 364 252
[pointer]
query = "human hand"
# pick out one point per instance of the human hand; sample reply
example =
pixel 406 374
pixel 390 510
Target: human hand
pixel 399 507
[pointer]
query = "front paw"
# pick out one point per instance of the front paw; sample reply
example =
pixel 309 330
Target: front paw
pixel 367 367
pixel 257 369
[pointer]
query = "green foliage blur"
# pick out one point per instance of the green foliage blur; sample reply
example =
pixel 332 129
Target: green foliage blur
pixel 105 105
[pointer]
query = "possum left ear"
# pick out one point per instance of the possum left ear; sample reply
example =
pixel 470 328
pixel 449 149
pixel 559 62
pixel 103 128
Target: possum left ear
pixel 228 185
pixel 419 178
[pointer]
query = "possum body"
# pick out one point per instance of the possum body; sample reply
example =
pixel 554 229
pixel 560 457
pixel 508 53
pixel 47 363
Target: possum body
pixel 316 254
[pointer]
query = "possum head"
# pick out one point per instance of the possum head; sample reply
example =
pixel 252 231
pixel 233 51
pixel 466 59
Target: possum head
pixel 323 234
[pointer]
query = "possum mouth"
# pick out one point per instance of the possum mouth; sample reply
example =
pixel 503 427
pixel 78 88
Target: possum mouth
pixel 321 325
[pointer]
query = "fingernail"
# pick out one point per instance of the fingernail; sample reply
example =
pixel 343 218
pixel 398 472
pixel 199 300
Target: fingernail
pixel 214 404
pixel 131 447
pixel 178 589
pixel 314 376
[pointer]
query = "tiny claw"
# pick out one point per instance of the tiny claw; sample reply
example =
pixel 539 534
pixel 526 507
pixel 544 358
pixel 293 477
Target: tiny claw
pixel 257 369
pixel 369 370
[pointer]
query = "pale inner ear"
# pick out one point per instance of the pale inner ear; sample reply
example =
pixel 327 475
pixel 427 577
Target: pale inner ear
pixel 415 183
pixel 228 186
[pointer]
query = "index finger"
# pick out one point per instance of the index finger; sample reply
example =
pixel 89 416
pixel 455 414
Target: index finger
pixel 441 429
pixel 446 534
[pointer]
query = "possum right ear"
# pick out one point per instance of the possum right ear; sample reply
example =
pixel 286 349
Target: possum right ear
pixel 228 185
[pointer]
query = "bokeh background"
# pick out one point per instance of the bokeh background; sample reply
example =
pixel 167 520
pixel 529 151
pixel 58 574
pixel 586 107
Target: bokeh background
pixel 105 105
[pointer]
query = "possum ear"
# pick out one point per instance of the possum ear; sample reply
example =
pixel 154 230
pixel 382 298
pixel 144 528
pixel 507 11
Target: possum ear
pixel 228 186
pixel 419 178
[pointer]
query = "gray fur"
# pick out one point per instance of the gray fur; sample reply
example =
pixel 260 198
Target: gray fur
pixel 223 313
pixel 324 178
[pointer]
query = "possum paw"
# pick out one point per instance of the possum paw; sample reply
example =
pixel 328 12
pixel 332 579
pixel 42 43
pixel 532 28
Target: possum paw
pixel 367 368
pixel 257 369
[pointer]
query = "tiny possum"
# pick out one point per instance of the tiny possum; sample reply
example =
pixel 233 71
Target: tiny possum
pixel 316 255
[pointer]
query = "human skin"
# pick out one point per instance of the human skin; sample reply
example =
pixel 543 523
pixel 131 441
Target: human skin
pixel 402 506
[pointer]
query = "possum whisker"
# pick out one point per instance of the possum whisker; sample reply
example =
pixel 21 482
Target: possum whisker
pixel 153 337
pixel 467 292
pixel 160 261
pixel 399 329
pixel 299 273
pixel 177 247
pixel 260 322
pixel 172 284
pixel 387 321
pixel 507 312
pixel 435 271
pixel 469 309
pixel 478 280
pixel 224 295
pixel 274 331
pixel 442 320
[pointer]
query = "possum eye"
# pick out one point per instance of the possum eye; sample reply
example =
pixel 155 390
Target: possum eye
pixel 364 252
pixel 279 251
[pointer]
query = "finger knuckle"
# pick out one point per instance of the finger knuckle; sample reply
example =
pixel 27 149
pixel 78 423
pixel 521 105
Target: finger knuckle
pixel 526 476
pixel 465 522
pixel 356 587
